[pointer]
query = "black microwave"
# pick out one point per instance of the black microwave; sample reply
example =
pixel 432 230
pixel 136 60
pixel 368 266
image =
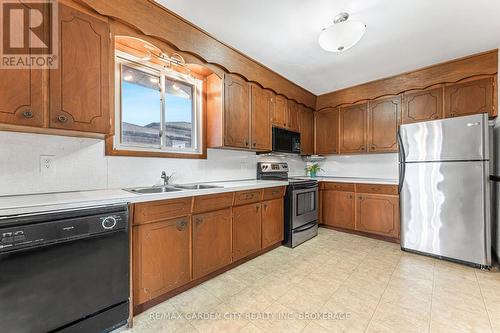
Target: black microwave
pixel 286 141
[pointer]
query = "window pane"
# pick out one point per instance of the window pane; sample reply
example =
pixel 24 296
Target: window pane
pixel 141 107
pixel 179 114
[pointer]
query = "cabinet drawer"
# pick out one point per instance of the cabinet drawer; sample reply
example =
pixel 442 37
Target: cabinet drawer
pixel 274 192
pixel 377 189
pixel 337 186
pixel 246 197
pixel 207 203
pixel 155 211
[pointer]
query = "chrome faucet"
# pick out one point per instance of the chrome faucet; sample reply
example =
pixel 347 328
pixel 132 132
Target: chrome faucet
pixel 166 179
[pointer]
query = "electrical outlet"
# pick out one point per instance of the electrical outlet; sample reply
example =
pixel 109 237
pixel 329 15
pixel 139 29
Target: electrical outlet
pixel 47 165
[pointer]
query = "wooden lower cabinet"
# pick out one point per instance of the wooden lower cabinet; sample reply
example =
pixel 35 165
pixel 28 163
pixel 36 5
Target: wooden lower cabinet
pixel 246 230
pixel 338 209
pixel 161 257
pixel 378 214
pixel 272 222
pixel 369 208
pixel 211 242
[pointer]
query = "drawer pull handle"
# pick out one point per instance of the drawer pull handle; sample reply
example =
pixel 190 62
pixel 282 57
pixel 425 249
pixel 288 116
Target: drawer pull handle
pixel 199 220
pixel 28 114
pixel 62 118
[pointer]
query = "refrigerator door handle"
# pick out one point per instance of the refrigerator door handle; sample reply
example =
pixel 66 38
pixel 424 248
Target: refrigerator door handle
pixel 402 166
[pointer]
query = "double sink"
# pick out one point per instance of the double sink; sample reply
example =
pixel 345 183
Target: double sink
pixel 171 188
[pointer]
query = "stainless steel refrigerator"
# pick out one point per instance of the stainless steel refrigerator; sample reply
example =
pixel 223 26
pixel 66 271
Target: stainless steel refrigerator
pixel 445 188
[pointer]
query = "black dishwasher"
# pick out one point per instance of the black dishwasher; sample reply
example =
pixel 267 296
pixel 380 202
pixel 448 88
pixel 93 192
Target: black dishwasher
pixel 65 271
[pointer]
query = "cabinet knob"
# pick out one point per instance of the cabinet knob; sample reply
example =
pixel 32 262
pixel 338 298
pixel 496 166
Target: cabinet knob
pixel 199 220
pixel 265 206
pixel 28 114
pixel 350 196
pixel 257 207
pixel 181 224
pixel 246 142
pixel 62 118
pixel 254 144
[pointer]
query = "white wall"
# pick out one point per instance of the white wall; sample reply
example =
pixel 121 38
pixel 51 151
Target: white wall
pixel 80 164
pixel 370 166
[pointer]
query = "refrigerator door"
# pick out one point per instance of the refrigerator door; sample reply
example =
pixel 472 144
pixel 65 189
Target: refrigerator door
pixel 444 209
pixel 455 139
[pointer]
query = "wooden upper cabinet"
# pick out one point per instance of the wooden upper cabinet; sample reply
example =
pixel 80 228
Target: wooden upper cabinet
pixel 246 230
pixel 262 106
pixel 272 222
pixel 338 208
pixel 22 96
pixel 306 127
pixel 469 97
pixel 211 242
pixel 352 120
pixel 384 118
pixel 378 214
pixel 422 105
pixel 292 116
pixel 161 257
pixel 236 112
pixel 79 87
pixel 280 111
pixel 326 133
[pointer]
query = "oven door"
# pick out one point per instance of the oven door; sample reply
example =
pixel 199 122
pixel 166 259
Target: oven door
pixel 304 206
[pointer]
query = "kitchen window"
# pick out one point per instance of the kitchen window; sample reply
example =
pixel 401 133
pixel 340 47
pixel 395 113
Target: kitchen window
pixel 158 110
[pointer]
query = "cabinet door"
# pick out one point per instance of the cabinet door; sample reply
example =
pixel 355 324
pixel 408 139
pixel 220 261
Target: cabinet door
pixel 262 101
pixel 161 258
pixel 306 131
pixel 211 242
pixel 338 209
pixel 422 105
pixel 246 230
pixel 236 112
pixel 384 118
pixel 279 111
pixel 378 214
pixel 272 222
pixel 352 121
pixel 79 87
pixel 327 131
pixel 22 94
pixel 470 97
pixel 293 116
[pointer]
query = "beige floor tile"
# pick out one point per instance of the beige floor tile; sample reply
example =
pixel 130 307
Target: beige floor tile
pixel 459 320
pixel 280 319
pixel 224 286
pixel 314 327
pixel 403 318
pixel 382 327
pixel 222 319
pixel 442 300
pixel 194 300
pixel 302 300
pixel 250 300
pixel 348 321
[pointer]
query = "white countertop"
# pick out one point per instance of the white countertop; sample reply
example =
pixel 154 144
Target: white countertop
pixel 360 180
pixel 23 204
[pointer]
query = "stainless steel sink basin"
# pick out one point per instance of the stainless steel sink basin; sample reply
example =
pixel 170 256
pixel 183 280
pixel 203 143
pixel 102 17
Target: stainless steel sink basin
pixel 196 186
pixel 155 189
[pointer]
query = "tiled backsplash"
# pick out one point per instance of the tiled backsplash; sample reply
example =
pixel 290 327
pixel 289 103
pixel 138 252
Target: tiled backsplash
pixel 80 164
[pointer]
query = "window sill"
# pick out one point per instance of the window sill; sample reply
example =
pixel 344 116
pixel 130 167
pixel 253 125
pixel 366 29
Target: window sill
pixel 111 151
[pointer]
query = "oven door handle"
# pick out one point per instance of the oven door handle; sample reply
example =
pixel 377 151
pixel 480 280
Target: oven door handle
pixel 305 227
pixel 304 190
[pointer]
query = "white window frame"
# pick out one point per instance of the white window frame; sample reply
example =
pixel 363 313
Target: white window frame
pixel 163 73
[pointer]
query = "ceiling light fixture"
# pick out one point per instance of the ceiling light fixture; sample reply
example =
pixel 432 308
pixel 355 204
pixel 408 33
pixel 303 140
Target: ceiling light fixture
pixel 342 35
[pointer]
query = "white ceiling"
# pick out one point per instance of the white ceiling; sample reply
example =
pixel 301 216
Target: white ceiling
pixel 401 35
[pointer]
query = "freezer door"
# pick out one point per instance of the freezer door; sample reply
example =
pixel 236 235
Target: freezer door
pixel 445 210
pixel 455 139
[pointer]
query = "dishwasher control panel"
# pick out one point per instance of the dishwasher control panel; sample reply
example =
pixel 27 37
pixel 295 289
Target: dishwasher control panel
pixel 26 235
